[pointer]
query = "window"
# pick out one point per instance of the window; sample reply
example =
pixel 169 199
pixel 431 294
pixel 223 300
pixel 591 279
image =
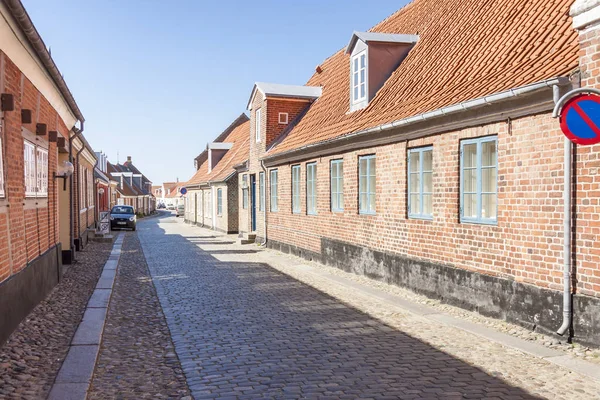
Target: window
pixel 274 185
pixel 257 124
pixel 311 188
pixel 261 183
pixel 29 159
pixel 1 171
pixel 366 184
pixel 209 203
pixel 479 180
pixel 283 118
pixel 337 185
pixel 420 183
pixel 359 72
pixel 296 189
pixel 245 192
pixel 219 201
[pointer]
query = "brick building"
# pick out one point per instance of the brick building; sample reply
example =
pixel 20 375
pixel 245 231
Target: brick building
pixel 212 193
pixel 425 154
pixel 38 196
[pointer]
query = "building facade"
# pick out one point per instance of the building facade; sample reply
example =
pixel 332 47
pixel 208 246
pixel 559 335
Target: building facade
pixel 419 163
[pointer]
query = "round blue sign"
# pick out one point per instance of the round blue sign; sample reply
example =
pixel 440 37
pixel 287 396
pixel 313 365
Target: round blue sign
pixel 580 119
pixel 183 191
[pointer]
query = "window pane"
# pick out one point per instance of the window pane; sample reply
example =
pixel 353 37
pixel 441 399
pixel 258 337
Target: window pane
pixel 363 60
pixel 363 202
pixel 334 185
pixel 415 206
pixel 372 184
pixel 362 77
pixel 372 167
pixel 428 160
pixel 470 181
pixel 356 79
pixel 356 64
pixel 414 183
pixel 362 186
pixel 488 154
pixel 470 155
pixel 340 170
pixel 414 161
pixel 427 182
pixel 362 90
pixel 341 200
pixel 488 206
pixel 356 93
pixel 470 205
pixel 372 202
pixel 488 180
pixel 362 166
pixel 427 206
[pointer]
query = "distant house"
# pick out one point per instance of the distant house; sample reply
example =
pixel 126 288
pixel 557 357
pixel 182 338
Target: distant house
pixel 133 187
pixel 106 186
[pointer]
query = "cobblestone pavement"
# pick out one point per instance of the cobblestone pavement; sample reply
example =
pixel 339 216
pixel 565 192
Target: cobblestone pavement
pixel 244 329
pixel 32 356
pixel 137 359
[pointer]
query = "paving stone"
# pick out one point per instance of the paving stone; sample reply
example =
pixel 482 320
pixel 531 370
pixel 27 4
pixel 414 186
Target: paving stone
pixel 79 365
pixel 100 298
pixel 89 332
pixel 68 391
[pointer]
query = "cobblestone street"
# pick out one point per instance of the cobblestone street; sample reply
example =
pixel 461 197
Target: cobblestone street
pixel 242 328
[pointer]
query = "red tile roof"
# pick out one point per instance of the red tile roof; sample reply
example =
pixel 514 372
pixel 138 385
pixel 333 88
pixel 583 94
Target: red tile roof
pixel 467 49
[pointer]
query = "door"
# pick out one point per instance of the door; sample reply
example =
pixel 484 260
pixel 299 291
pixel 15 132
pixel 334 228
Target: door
pixel 253 201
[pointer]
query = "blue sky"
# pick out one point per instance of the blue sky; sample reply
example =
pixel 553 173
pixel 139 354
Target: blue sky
pixel 157 80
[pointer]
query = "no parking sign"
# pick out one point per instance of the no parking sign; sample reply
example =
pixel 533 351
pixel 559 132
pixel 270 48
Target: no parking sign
pixel 580 116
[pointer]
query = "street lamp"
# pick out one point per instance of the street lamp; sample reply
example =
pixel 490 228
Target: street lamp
pixel 65 170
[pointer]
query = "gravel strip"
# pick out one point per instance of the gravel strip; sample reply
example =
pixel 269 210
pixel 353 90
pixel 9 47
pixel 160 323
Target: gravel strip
pixel 137 359
pixel 32 356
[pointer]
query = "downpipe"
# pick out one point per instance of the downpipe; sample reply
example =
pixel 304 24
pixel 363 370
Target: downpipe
pixel 567 228
pixel 71 205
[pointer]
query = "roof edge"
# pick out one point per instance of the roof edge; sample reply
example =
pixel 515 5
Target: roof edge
pixel 496 99
pixel 20 15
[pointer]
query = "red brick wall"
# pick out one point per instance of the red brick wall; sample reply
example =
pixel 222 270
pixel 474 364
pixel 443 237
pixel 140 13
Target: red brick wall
pixel 526 244
pixel 28 227
pixel 275 106
pixel 587 176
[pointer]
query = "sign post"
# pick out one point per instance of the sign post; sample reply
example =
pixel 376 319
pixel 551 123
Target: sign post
pixel 579 115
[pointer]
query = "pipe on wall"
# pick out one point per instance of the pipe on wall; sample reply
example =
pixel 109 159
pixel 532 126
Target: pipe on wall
pixel 77 134
pixel 262 164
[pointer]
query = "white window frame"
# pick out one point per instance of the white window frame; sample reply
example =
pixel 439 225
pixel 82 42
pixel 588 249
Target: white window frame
pixel 219 201
pixel 479 219
pixel 2 193
pixel 257 124
pixel 355 77
pixel 41 168
pixel 420 172
pixel 273 181
pixel 337 197
pixel 283 121
pixel 262 188
pixel 311 188
pixel 368 208
pixel 29 168
pixel 296 203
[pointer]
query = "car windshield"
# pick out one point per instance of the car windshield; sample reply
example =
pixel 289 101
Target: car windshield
pixel 122 210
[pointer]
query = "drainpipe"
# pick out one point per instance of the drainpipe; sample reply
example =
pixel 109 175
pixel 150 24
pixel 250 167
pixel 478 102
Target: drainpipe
pixel 77 212
pixel 262 164
pixel 567 227
pixel 71 206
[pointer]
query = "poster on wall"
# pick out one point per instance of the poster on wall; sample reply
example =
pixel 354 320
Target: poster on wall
pixel 104 225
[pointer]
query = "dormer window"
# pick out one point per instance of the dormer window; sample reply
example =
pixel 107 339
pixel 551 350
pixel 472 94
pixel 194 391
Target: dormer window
pixel 374 57
pixel 359 77
pixel 257 124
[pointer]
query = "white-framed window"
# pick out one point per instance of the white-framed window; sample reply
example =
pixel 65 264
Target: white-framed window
pixel 261 183
pixel 311 188
pixel 29 159
pixel 479 180
pixel 245 192
pixel 2 193
pixel 42 172
pixel 90 188
pixel 337 185
pixel 283 118
pixel 274 192
pixel 359 77
pixel 296 189
pixel 420 182
pixel 219 201
pixel 257 124
pixel 366 184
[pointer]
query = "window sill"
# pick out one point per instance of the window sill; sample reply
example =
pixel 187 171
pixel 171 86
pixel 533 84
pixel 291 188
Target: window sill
pixel 479 222
pixel 82 210
pixel 367 213
pixel 312 213
pixel 421 217
pixel 338 211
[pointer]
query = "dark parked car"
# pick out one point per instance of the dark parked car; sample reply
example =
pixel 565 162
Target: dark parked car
pixel 122 217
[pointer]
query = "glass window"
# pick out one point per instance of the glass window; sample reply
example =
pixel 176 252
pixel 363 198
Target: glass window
pixel 296 189
pixel 274 194
pixel 219 201
pixel 245 192
pixel 29 167
pixel 311 188
pixel 359 71
pixel 257 124
pixel 337 185
pixel 479 180
pixel 420 182
pixel 366 184
pixel 261 183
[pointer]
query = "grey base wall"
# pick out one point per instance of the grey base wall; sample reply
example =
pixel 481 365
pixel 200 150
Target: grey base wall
pixel 209 227
pixel 20 293
pixel 519 303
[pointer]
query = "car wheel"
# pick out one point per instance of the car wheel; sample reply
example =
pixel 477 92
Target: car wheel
pixel 133 229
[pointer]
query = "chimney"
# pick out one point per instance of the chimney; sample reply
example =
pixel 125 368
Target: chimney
pixel 129 159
